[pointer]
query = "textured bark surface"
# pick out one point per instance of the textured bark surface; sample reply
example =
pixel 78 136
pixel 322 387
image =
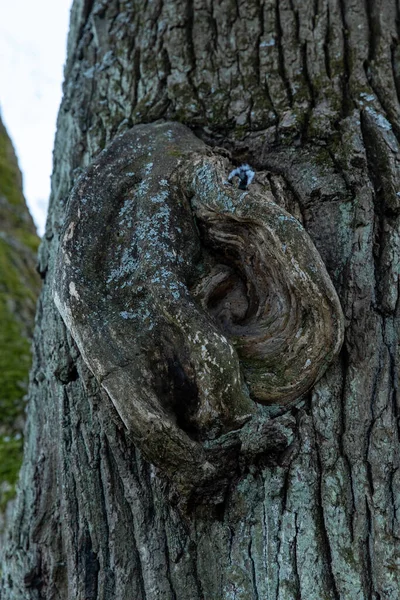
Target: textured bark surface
pixel 307 93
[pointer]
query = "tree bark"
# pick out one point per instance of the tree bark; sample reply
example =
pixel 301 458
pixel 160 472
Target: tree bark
pixel 307 94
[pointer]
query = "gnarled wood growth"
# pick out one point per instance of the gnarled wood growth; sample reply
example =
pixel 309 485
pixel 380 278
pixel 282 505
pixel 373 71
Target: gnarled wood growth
pixel 157 307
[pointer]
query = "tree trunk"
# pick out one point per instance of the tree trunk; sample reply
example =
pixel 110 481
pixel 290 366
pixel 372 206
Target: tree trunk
pixel 306 92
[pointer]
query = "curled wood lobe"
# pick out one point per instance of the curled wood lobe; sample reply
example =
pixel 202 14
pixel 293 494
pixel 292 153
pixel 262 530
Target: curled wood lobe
pixel 191 301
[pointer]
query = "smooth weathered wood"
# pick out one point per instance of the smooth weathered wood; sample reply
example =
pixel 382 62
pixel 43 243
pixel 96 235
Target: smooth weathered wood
pixel 307 93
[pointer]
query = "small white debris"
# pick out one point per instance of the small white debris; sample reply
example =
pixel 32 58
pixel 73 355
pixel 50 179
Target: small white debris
pixel 73 291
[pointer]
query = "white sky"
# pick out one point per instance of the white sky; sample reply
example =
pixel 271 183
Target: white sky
pixel 33 38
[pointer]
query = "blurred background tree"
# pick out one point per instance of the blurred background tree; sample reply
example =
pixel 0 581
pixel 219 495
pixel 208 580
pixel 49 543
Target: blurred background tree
pixel 19 289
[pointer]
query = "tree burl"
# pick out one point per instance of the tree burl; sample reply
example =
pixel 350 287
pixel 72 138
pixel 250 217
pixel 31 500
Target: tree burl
pixel 196 305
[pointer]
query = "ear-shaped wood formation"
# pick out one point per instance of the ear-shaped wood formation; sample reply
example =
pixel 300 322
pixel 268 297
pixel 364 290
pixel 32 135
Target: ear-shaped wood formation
pixel 191 301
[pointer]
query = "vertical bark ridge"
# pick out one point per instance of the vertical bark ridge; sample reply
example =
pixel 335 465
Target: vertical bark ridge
pixel 281 61
pixel 324 532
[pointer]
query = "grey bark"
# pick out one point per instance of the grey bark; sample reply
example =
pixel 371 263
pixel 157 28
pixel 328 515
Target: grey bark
pixel 307 93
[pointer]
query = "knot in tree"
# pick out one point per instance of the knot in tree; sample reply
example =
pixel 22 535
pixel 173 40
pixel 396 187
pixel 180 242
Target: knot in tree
pixel 195 304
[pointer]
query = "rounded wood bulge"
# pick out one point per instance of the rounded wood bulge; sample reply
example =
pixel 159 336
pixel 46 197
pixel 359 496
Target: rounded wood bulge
pixel 190 300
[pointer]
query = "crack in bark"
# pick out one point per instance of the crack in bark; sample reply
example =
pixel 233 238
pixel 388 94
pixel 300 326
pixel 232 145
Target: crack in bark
pixel 395 529
pixel 104 457
pixel 281 58
pixel 326 45
pixel 310 87
pixel 367 554
pixel 322 527
pixel 373 30
pixel 315 14
pixel 259 37
pixel 253 570
pixel 351 511
pixel 265 548
pixel 280 535
pixel 346 103
pixel 168 573
pixel 297 581
pixel 137 76
pixel 190 15
pixel 394 379
pixel 297 22
pixel 194 554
